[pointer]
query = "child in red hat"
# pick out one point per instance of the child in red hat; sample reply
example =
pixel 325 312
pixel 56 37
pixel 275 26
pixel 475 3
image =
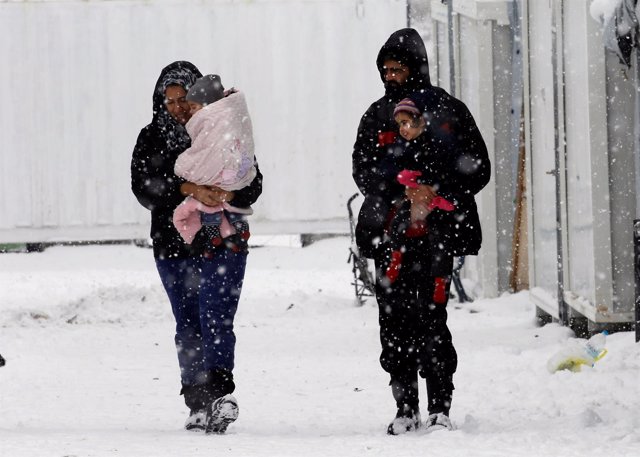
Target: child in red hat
pixel 417 167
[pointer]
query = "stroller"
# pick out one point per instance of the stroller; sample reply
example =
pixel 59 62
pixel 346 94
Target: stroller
pixel 457 282
pixel 363 280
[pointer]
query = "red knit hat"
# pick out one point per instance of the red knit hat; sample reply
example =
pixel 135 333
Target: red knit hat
pixel 408 106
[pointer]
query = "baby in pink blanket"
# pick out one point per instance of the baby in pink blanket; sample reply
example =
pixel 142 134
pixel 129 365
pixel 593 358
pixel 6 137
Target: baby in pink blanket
pixel 221 155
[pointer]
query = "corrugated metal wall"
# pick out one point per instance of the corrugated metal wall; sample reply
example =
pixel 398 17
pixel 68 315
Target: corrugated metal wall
pixel 578 91
pixel 79 75
pixel 484 82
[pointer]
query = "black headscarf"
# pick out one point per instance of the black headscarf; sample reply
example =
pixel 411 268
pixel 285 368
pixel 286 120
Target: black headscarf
pixel 180 73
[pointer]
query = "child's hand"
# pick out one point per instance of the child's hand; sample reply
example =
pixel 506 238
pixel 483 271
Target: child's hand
pixel 409 178
pixel 208 195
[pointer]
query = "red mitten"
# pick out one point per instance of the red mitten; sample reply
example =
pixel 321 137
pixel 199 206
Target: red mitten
pixel 441 203
pixel 408 178
pixel 416 230
pixel 393 270
pixel 385 138
pixel 440 290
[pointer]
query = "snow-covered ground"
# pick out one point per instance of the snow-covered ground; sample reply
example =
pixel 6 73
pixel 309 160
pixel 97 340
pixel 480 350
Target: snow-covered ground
pixel 91 368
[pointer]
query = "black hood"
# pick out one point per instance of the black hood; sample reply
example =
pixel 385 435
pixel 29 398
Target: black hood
pixel 432 100
pixel 406 46
pixel 181 73
pixel 437 110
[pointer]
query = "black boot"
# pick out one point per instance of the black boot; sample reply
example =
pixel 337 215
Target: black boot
pixel 405 392
pixel 221 382
pixel 223 410
pixel 440 392
pixel 212 407
pixel 197 398
pixel 197 420
pixel 407 420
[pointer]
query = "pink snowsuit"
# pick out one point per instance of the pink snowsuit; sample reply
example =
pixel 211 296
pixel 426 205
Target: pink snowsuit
pixel 221 155
pixel 186 218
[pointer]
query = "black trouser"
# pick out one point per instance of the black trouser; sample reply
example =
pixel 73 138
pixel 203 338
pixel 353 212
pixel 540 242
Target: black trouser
pixel 413 327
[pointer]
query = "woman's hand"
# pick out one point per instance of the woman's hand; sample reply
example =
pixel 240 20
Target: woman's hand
pixel 208 195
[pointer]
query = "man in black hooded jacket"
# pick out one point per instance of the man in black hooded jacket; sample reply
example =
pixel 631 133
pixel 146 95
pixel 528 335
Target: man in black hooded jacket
pixel 414 335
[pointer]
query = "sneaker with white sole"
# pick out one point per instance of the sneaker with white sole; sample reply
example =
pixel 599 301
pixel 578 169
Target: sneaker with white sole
pixel 196 421
pixel 438 421
pixel 407 420
pixel 220 413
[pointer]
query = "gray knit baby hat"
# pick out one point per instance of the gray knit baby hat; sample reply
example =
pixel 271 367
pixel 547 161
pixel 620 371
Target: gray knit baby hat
pixel 206 90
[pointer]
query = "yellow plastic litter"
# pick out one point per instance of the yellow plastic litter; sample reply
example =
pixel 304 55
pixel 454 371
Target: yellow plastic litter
pixel 572 362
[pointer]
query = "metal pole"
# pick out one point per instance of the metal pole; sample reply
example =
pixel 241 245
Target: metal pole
pixel 636 269
pixel 636 222
pixel 516 91
pixel 452 62
pixel 558 84
pixel 636 133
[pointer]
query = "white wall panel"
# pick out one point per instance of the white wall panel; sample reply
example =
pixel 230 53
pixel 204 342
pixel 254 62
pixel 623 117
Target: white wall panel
pixel 621 96
pixel 81 76
pixel 542 128
pixel 587 165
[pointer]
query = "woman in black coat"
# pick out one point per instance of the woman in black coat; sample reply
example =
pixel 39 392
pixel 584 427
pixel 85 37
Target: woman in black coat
pixel 203 282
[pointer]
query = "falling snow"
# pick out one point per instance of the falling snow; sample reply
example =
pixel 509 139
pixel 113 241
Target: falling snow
pixel 91 368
